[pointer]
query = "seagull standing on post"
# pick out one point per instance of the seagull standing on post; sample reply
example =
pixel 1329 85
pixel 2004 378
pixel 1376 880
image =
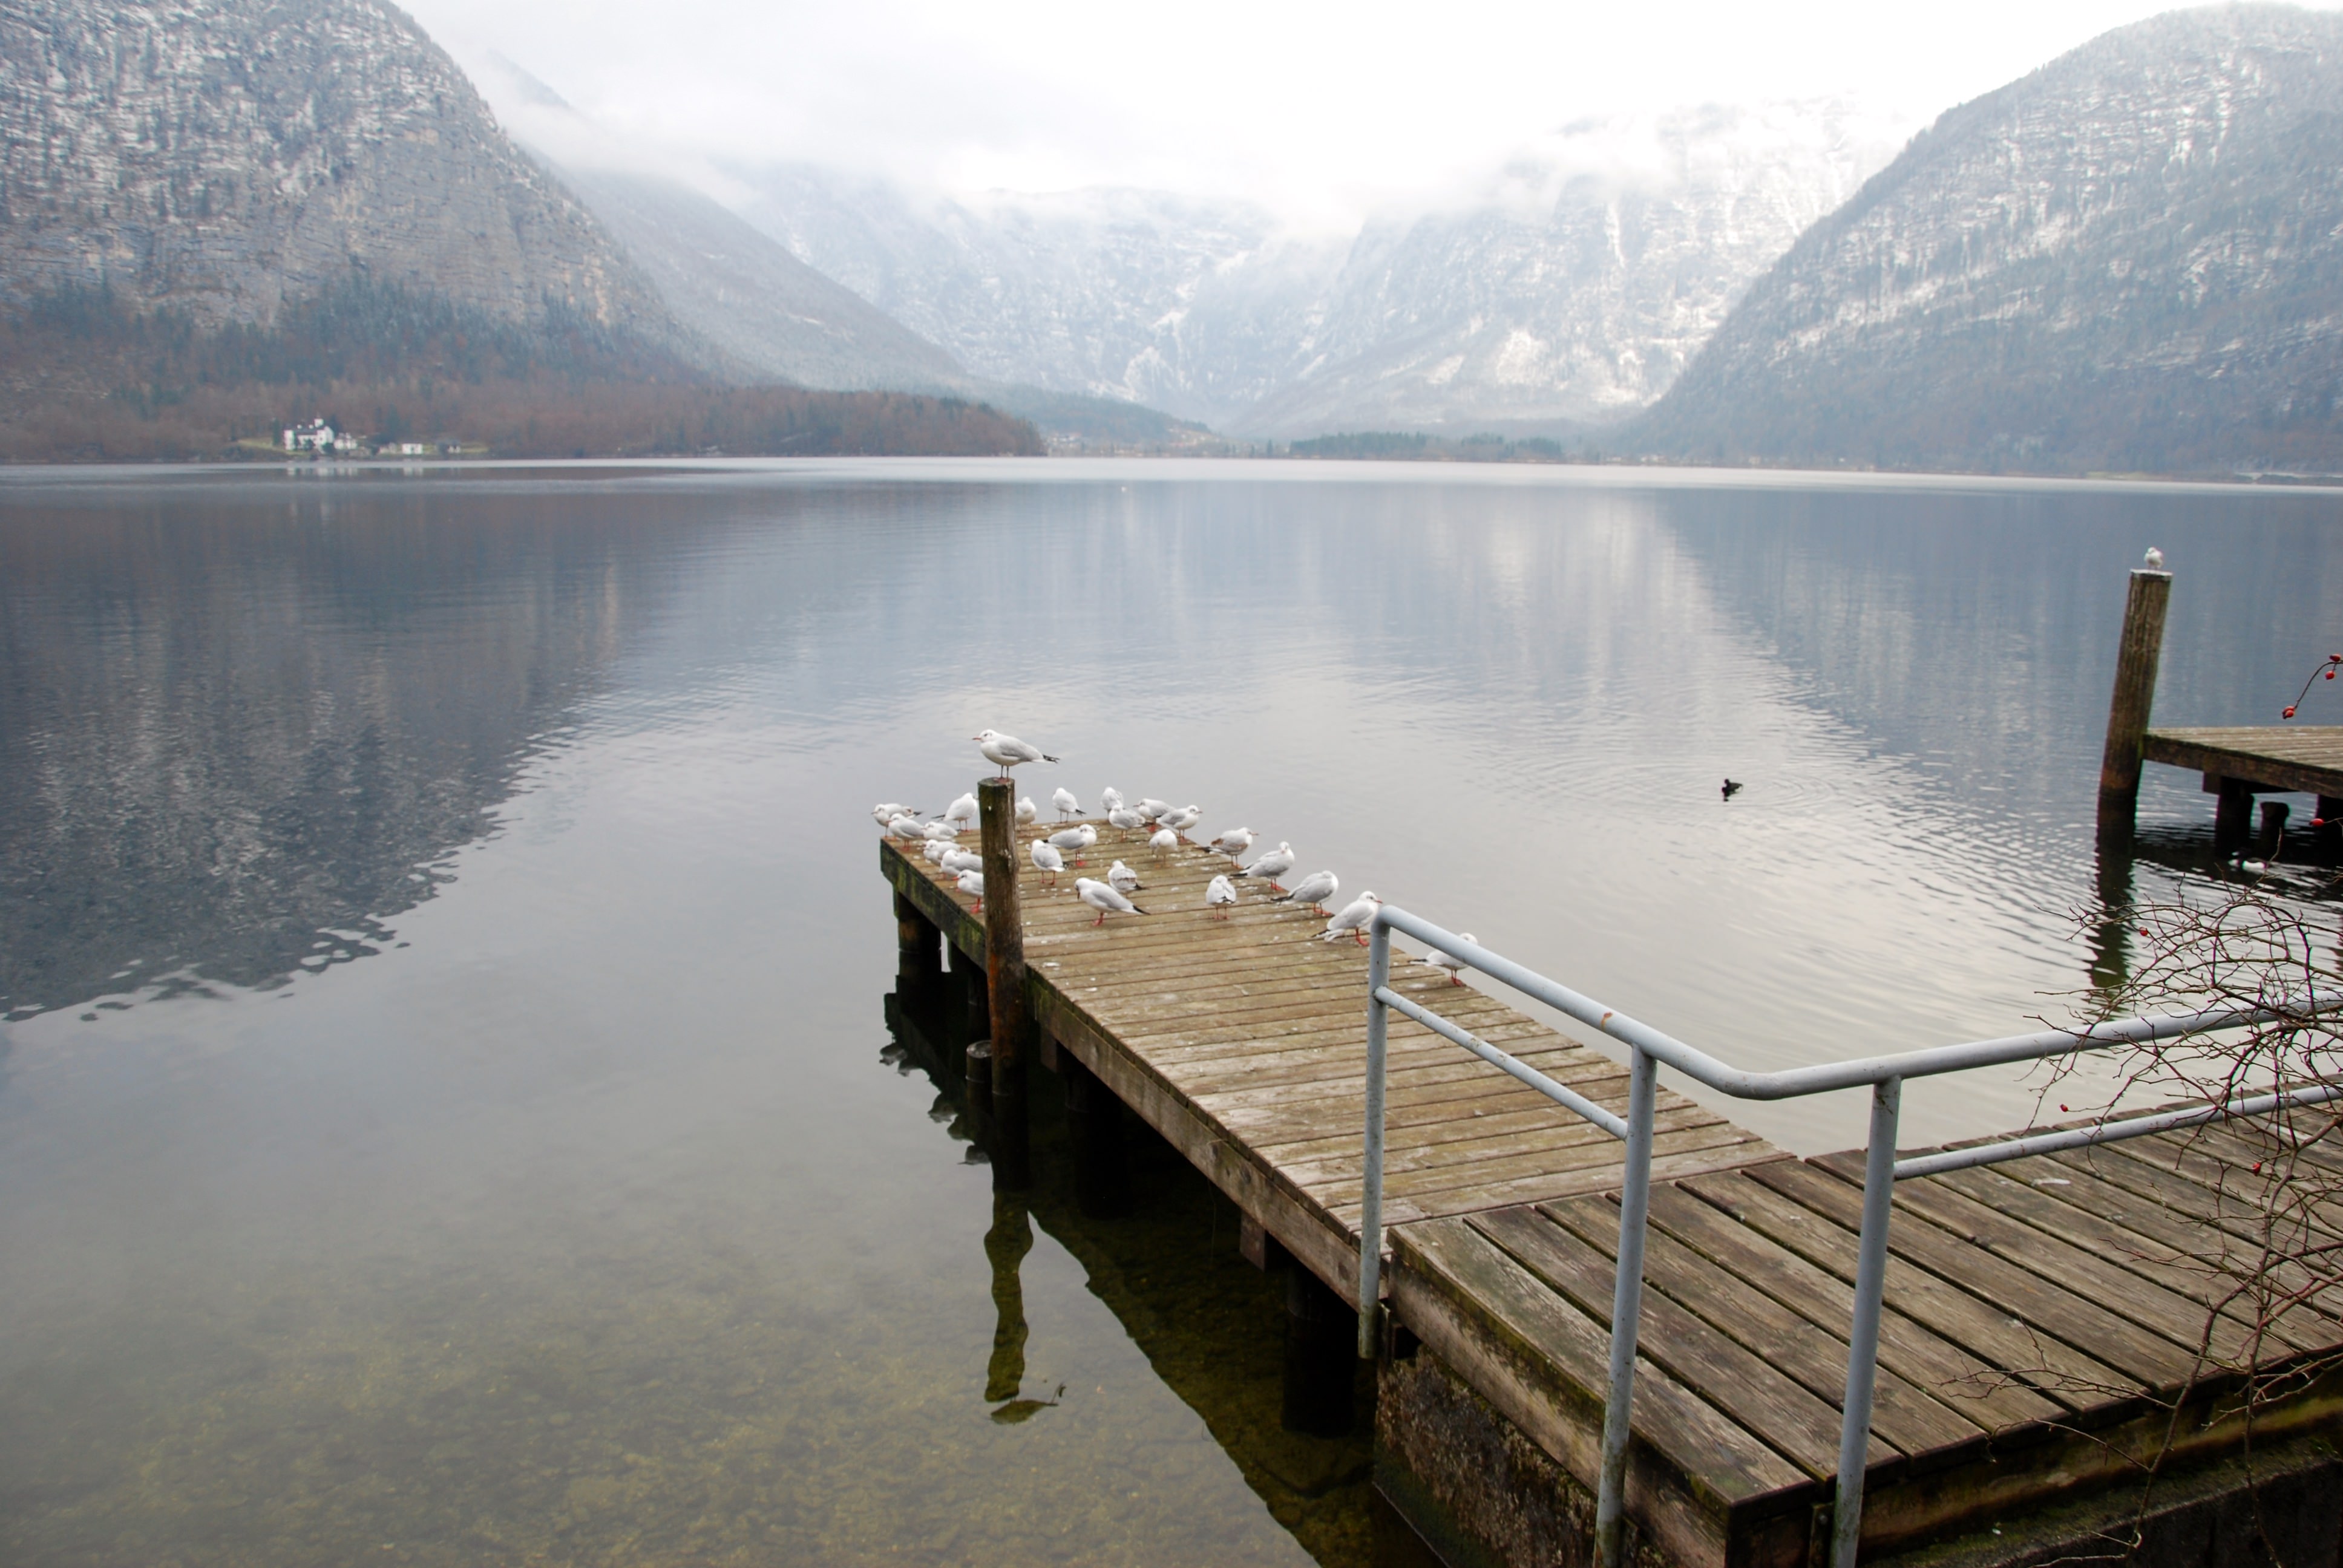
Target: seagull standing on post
pixel 1007 751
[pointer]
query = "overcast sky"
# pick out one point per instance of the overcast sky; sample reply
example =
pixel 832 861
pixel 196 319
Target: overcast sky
pixel 1317 110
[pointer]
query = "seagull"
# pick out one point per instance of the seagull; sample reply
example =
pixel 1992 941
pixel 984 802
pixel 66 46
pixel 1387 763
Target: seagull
pixel 1437 959
pixel 1008 750
pixel 1313 889
pixel 954 861
pixel 936 850
pixel 963 812
pixel 1353 919
pixel 2155 559
pixel 1074 840
pixel 941 827
pixel 1122 878
pixel 1220 896
pixel 1124 818
pixel 971 882
pixel 1066 804
pixel 1180 821
pixel 1047 859
pixel 1104 899
pixel 1234 842
pixel 1732 786
pixel 907 828
pixel 1163 840
pixel 1272 865
pixel 1151 809
pixel 888 812
pixel 1025 812
pixel 1111 798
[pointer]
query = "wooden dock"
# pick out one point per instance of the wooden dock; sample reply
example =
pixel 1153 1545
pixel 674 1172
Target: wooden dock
pixel 2043 1318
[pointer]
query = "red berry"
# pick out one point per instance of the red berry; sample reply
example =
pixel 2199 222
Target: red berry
pixel 2062 1108
pixel 2289 714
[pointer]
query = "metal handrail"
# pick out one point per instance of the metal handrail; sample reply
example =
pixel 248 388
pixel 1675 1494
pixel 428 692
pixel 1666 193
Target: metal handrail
pixel 1649 1048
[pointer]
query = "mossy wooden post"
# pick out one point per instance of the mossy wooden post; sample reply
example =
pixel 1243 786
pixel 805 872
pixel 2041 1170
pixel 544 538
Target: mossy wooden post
pixel 917 945
pixel 1004 976
pixel 2128 709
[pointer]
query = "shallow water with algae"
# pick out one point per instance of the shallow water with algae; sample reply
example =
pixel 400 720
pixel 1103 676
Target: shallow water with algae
pixel 448 1106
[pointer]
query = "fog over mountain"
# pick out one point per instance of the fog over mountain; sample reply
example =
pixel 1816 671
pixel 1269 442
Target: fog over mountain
pixel 1571 286
pixel 2131 259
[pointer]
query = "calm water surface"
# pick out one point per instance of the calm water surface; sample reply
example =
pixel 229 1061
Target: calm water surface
pixel 446 1113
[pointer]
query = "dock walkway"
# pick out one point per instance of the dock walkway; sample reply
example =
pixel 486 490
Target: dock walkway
pixel 2043 1318
pixel 1241 1040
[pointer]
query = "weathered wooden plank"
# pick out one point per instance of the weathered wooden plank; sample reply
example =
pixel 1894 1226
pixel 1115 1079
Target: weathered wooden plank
pixel 2126 1255
pixel 1903 1417
pixel 2140 1356
pixel 2075 1380
pixel 2308 757
pixel 1928 1361
pixel 1730 1155
pixel 2168 1233
pixel 1715 1454
pixel 2054 1259
pixel 1754 1395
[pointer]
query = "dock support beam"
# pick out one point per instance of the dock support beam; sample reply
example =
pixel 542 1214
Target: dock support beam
pixel 1004 979
pixel 1319 1365
pixel 2134 696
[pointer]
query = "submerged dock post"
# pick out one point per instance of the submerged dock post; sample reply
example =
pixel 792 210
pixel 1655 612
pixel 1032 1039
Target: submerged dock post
pixel 1004 979
pixel 2134 696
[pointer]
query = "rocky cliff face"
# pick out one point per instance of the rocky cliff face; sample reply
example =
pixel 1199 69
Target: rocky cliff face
pixel 222 157
pixel 739 290
pixel 2131 259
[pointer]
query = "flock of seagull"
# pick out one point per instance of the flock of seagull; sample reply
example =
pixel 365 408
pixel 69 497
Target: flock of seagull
pixel 1165 827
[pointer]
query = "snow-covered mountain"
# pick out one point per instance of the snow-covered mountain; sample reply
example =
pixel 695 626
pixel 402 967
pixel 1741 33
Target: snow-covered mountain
pixel 1572 285
pixel 1577 285
pixel 1189 306
pixel 2130 258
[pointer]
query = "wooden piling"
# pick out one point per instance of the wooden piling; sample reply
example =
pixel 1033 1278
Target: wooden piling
pixel 2233 815
pixel 2273 833
pixel 1004 973
pixel 2134 696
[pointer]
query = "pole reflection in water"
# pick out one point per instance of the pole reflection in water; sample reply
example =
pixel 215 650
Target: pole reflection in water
pixel 1158 1246
pixel 2111 928
pixel 1005 1246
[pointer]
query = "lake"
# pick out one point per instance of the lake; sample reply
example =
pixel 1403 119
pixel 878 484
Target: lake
pixel 448 1113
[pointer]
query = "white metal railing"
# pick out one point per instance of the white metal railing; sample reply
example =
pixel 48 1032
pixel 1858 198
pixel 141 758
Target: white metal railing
pixel 1648 1048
